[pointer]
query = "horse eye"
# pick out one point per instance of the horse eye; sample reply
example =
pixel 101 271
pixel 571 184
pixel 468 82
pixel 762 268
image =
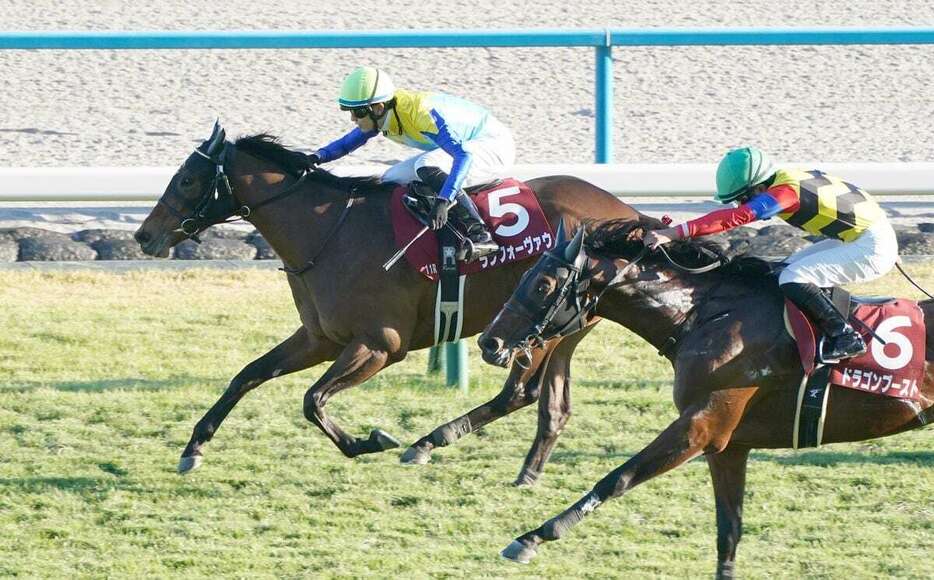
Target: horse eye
pixel 542 287
pixel 186 181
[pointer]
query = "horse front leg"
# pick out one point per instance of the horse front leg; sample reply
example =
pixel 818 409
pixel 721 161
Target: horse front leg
pixel 298 352
pixel 728 472
pixel 356 363
pixel 704 427
pixel 521 389
pixel 554 408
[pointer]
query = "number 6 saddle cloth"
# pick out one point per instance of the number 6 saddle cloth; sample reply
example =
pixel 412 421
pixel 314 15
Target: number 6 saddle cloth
pixel 892 366
pixel 510 210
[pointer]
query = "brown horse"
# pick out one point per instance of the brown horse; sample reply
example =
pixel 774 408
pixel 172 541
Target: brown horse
pixel 736 369
pixel 333 234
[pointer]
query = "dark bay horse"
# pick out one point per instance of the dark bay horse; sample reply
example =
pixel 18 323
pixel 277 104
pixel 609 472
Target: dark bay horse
pixel 333 235
pixel 736 370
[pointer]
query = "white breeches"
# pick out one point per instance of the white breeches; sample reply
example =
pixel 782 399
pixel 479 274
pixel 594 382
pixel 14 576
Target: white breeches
pixel 492 157
pixel 831 262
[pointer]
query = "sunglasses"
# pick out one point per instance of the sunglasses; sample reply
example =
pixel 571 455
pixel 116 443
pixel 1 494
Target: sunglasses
pixel 361 112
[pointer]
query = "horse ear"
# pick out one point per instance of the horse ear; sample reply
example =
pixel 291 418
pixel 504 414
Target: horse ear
pixel 582 253
pixel 560 237
pixel 575 248
pixel 218 135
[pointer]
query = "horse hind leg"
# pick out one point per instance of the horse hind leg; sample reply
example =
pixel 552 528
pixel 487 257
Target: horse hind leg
pixel 298 352
pixel 356 363
pixel 521 389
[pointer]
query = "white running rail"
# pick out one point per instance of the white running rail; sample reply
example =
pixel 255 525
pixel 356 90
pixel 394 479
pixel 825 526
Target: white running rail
pixel 119 184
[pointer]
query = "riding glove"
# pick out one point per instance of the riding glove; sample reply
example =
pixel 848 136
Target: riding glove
pixel 439 213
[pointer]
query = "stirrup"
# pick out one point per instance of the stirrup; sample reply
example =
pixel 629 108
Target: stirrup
pixel 474 251
pixel 823 357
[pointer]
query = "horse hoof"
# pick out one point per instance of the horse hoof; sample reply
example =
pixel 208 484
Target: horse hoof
pixel 519 552
pixel 189 464
pixel 525 480
pixel 414 456
pixel 384 440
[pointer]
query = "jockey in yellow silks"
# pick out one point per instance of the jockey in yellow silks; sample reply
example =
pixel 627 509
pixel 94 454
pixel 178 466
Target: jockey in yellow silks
pixel 462 144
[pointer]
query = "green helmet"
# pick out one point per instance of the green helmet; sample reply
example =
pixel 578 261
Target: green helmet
pixel 365 86
pixel 741 169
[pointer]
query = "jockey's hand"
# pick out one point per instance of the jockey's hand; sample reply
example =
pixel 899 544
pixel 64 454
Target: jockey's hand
pixel 313 160
pixel 656 238
pixel 438 216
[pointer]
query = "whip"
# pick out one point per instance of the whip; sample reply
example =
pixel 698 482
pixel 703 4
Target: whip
pixel 913 283
pixel 395 257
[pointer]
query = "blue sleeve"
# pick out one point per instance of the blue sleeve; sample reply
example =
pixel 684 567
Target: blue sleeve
pixel 764 206
pixel 454 148
pixel 344 145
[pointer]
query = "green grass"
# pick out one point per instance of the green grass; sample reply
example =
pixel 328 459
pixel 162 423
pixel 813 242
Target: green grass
pixel 103 376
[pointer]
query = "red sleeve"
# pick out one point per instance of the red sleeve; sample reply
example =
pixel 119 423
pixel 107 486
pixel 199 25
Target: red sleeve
pixel 783 200
pixel 717 221
pixel 786 197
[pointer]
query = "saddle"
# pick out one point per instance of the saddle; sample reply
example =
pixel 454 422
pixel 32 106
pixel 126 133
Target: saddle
pixel 893 329
pixel 511 212
pixel 419 200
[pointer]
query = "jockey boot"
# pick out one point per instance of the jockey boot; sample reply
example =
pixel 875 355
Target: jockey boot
pixel 466 211
pixel 841 341
pixel 433 177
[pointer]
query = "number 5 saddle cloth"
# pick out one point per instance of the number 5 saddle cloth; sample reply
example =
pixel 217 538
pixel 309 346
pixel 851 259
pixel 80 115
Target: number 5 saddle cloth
pixel 510 210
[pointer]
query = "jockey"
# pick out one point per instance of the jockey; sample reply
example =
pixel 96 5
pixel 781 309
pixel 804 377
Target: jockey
pixel 462 144
pixel 861 244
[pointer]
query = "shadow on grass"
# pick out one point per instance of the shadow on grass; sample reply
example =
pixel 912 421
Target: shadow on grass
pixel 626 385
pixel 814 458
pixel 100 487
pixel 80 485
pixel 831 458
pixel 125 384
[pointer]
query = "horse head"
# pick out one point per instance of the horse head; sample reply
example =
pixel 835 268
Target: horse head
pixel 197 196
pixel 551 300
pixel 559 294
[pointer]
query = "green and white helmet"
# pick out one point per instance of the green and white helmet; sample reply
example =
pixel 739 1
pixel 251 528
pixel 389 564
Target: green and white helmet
pixel 365 86
pixel 741 169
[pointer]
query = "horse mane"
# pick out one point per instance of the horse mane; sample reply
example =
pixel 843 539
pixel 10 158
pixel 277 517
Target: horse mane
pixel 622 238
pixel 295 163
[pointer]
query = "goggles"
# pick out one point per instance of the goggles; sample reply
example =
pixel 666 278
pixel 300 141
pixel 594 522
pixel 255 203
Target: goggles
pixel 361 112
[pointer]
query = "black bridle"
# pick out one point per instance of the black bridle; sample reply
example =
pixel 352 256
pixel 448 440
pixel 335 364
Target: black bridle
pixel 570 308
pixel 218 203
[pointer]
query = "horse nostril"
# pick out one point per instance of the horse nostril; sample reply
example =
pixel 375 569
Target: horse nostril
pixel 491 344
pixel 141 237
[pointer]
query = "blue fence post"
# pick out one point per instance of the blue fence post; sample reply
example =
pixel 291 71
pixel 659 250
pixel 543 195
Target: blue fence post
pixel 604 103
pixel 457 372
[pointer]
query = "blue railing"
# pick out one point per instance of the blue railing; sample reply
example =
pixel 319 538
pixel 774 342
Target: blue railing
pixel 602 40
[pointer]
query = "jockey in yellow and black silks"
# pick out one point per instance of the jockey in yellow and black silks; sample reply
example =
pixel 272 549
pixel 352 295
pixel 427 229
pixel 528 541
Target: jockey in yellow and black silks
pixel 462 144
pixel 861 244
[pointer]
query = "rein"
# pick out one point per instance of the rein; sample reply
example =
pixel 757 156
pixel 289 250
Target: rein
pixel 712 266
pixel 207 213
pixel 311 262
pixel 222 192
pixel 570 286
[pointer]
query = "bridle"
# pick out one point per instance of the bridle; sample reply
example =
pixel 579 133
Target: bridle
pixel 563 316
pixel 218 203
